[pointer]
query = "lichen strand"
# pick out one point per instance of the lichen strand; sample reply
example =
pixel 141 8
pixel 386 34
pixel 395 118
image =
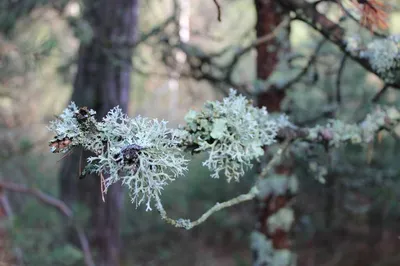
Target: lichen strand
pixel 337 132
pixel 232 132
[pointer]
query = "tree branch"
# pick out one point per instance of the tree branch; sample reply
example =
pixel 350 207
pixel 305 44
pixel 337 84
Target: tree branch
pixel 308 13
pixel 60 206
pixel 218 9
pixel 187 224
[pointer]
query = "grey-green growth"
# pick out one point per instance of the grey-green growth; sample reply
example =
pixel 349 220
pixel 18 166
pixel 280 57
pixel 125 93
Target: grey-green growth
pixel 233 133
pixel 146 155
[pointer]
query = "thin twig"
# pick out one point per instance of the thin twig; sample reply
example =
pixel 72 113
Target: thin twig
pixel 307 66
pixel 339 79
pixel 44 198
pixel 187 224
pixel 275 158
pixel 380 93
pixel 218 9
pixel 60 206
pixel 9 214
pixel 102 187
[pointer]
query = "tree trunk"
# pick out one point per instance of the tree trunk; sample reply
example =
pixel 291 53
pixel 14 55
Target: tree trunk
pixel 269 17
pixel 102 82
pixel 183 30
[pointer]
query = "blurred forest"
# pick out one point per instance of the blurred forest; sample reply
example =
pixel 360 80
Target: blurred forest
pixel 159 59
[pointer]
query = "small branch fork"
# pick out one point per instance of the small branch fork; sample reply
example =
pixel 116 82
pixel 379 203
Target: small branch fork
pixel 187 224
pixel 60 206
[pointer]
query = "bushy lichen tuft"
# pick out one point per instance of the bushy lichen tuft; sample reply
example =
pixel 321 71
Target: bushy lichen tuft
pixel 143 153
pixel 337 132
pixel 282 219
pixel 261 246
pixel 233 132
pixel 277 185
pixel 384 56
pixel 68 126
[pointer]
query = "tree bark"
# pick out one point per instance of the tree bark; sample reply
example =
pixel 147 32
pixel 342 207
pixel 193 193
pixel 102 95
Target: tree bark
pixel 269 16
pixel 102 82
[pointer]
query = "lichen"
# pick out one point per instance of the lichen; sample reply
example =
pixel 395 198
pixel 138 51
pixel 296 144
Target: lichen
pixel 232 132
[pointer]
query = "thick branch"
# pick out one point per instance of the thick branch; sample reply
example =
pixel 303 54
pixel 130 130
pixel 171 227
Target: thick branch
pixel 308 13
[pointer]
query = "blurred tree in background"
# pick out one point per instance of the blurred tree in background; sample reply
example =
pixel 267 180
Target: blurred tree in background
pixel 292 56
pixel 103 80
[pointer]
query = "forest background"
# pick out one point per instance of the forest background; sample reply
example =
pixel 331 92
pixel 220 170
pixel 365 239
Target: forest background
pixel 178 55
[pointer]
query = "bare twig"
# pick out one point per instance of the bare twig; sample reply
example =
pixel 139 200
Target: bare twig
pixel 44 198
pixel 102 187
pixel 339 79
pixel 5 204
pixel 307 66
pixel 380 93
pixel 187 224
pixel 275 158
pixel 60 206
pixel 218 9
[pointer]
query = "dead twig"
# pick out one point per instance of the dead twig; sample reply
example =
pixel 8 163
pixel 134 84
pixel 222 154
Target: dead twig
pixel 60 206
pixel 218 9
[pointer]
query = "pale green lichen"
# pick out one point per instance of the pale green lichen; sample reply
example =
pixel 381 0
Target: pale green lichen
pixel 283 257
pixel 283 219
pixel 276 185
pixel 337 132
pixel 262 247
pixel 67 126
pixel 383 54
pixel 232 132
pixel 267 255
pixel 319 171
pixel 144 154
pixel 160 161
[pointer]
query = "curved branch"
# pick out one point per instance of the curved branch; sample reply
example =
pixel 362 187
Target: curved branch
pixel 60 206
pixel 308 13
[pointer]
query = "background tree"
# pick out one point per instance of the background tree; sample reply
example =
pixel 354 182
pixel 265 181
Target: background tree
pixel 342 213
pixel 103 80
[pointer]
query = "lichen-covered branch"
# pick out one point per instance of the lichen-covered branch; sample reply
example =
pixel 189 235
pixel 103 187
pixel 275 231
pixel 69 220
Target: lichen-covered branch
pixel 146 155
pixel 308 13
pixel 187 224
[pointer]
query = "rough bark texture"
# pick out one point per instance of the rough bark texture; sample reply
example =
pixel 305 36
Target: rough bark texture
pixel 102 82
pixel 269 17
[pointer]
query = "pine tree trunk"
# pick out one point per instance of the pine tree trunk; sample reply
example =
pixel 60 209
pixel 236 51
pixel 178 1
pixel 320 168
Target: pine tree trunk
pixel 269 17
pixel 102 82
